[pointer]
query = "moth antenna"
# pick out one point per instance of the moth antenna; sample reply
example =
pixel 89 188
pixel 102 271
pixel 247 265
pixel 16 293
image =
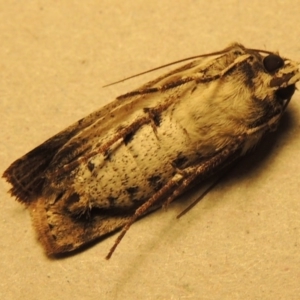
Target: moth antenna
pixel 177 62
pixel 170 64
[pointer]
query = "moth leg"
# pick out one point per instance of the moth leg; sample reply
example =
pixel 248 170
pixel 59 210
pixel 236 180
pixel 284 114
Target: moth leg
pixel 143 208
pixel 206 168
pixel 205 192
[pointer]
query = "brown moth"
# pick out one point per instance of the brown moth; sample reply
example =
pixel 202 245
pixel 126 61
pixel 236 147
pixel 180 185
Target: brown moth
pixel 150 145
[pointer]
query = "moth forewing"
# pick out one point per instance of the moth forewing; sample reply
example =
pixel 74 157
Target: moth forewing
pixel 150 145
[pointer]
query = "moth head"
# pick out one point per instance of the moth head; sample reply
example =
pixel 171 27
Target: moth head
pixel 283 75
pixel 262 81
pixel 269 76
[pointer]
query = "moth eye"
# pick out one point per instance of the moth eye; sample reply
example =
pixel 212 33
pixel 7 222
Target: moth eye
pixel 287 92
pixel 272 63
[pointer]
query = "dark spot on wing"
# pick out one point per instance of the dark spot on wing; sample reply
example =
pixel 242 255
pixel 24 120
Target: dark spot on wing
pixel 194 89
pixel 107 154
pixel 111 200
pixel 132 190
pixel 74 198
pixel 154 115
pixel 90 166
pixel 157 119
pixel 59 196
pixel 128 137
pixel 155 182
pixel 179 161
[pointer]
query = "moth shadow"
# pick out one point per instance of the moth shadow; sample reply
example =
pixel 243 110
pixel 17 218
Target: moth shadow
pixel 252 162
pixel 256 159
pixel 90 244
pixel 65 255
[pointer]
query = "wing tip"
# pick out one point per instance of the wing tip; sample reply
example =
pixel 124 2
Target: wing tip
pixel 21 194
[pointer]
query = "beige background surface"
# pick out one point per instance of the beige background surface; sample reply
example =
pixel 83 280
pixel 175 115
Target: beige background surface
pixel 241 242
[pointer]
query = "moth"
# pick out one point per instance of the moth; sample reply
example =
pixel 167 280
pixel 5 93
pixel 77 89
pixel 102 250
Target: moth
pixel 150 145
